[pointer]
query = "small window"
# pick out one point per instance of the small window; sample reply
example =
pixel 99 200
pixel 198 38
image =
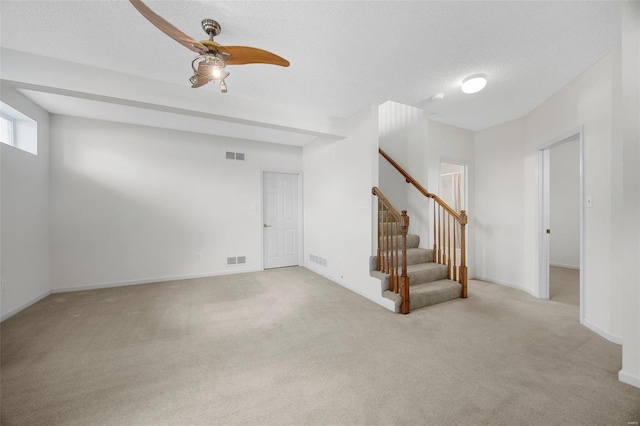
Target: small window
pixel 7 132
pixel 18 130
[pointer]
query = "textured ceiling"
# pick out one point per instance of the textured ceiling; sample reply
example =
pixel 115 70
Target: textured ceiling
pixel 344 56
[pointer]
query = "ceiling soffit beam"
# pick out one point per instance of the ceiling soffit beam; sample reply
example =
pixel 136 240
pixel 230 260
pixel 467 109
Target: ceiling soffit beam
pixel 39 73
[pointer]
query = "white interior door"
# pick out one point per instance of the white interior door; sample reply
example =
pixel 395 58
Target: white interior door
pixel 280 219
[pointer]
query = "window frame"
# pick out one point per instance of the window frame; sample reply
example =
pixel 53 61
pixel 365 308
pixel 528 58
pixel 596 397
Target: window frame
pixel 12 129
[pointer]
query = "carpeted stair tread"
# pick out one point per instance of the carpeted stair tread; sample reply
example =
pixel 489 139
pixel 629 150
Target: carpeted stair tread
pixel 434 292
pixel 426 272
pixel 427 294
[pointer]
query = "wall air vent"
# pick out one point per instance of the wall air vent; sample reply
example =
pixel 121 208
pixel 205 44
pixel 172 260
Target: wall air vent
pixel 240 156
pixel 236 260
pixel 317 259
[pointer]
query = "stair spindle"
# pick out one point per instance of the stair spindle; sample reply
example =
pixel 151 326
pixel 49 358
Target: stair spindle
pixel 455 254
pixel 404 279
pixel 449 272
pixel 435 247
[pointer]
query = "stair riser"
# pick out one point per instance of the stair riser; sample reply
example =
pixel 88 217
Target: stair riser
pixel 439 272
pixel 414 258
pixel 413 241
pixel 390 228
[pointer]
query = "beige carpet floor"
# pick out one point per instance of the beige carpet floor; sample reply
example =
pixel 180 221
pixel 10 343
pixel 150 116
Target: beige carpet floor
pixel 564 285
pixel 287 346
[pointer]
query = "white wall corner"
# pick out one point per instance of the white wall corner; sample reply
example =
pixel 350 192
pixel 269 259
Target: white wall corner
pixel 601 332
pixel 629 379
pixel 508 284
pixel 14 311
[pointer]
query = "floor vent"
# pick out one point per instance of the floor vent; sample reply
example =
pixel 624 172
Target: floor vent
pixel 317 259
pixel 235 156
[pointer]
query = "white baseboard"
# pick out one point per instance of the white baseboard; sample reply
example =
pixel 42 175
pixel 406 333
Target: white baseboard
pixel 562 265
pixel 506 284
pixel 610 337
pixel 24 305
pixel 382 301
pixel 149 281
pixel 629 379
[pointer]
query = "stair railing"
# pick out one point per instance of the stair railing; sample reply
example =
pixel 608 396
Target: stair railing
pixel 447 226
pixel 392 240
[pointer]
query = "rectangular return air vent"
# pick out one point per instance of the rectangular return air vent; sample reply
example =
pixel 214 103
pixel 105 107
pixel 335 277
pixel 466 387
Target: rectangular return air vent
pixel 317 259
pixel 236 260
pixel 235 156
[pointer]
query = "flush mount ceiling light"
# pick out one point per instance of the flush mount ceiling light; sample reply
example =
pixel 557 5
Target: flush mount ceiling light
pixel 437 97
pixel 474 83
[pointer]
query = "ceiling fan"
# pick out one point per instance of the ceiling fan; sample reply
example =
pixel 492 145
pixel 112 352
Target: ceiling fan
pixel 212 59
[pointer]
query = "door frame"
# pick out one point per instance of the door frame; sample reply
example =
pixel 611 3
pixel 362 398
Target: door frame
pixel 544 213
pixel 298 174
pixel 466 166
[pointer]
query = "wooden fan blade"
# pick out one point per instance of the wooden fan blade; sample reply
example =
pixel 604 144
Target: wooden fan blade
pixel 242 55
pixel 167 28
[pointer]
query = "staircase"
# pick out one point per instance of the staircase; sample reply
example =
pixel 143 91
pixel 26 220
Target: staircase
pixel 428 280
pixel 415 277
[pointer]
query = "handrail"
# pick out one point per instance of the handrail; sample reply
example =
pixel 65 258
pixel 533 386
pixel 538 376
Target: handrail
pixel 419 187
pixel 388 258
pixel 376 191
pixel 444 232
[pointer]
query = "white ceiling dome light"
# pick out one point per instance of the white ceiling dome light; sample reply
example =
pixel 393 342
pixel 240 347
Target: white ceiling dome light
pixel 474 83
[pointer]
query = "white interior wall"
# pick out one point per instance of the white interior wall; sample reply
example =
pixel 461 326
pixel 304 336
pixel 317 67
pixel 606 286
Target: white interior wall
pixel 507 221
pixel 141 204
pixel 564 198
pixel 25 260
pixel 586 101
pixel 630 216
pixel 499 204
pixel 338 216
pixel 402 135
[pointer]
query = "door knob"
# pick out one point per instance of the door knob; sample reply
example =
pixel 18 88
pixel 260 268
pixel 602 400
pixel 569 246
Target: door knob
pixel 264 225
pixel 548 231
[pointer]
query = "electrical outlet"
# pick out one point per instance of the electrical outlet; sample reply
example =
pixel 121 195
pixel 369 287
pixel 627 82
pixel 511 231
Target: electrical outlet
pixel 3 286
pixel 199 256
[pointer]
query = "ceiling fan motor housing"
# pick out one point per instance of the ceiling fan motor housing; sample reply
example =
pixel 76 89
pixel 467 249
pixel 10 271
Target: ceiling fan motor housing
pixel 211 27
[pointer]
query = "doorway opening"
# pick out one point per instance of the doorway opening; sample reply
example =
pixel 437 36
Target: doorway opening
pixel 281 219
pixel 453 185
pixel 453 191
pixel 562 226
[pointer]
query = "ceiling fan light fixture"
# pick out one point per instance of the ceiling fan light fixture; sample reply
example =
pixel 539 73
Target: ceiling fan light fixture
pixel 217 65
pixel 474 83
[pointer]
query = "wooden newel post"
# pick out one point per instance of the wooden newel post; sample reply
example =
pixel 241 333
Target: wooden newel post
pixel 404 279
pixel 463 255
